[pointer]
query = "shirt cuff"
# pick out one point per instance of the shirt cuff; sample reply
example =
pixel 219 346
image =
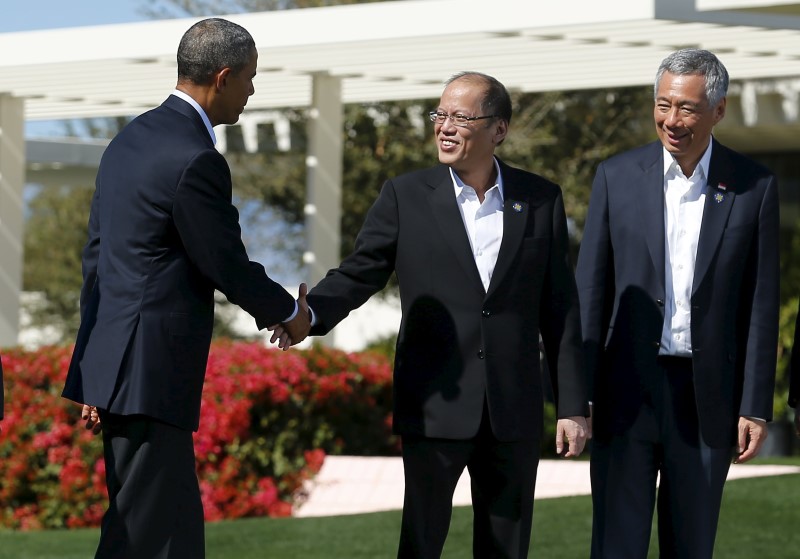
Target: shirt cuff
pixel 294 313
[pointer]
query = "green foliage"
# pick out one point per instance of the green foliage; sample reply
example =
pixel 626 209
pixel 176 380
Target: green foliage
pixel 563 136
pixel 55 233
pixel 381 140
pixel 790 289
pixel 788 315
pixel 385 346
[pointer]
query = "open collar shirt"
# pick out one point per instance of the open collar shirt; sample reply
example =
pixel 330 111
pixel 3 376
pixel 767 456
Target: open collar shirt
pixel 684 199
pixel 483 222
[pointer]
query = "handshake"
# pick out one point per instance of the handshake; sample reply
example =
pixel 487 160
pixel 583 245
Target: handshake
pixel 293 331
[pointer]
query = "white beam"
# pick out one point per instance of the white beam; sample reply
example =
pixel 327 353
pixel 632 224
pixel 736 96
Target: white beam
pixel 768 5
pixel 759 15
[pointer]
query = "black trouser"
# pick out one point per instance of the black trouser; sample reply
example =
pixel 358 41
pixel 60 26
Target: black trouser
pixel 154 509
pixel 664 440
pixel 503 477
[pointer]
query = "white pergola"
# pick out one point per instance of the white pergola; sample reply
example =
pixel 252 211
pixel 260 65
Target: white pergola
pixel 324 58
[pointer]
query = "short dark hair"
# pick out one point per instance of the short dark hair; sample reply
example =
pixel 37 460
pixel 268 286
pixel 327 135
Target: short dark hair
pixel 210 45
pixel 496 100
pixel 697 62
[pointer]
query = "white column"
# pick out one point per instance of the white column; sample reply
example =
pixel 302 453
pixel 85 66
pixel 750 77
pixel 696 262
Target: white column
pixel 324 179
pixel 12 179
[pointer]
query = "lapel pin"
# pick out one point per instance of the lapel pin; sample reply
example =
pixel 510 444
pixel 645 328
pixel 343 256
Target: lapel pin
pixel 516 206
pixel 722 186
pixel 719 197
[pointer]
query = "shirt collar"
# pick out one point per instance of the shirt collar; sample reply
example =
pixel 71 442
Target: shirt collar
pixel 459 185
pixel 200 111
pixel 702 166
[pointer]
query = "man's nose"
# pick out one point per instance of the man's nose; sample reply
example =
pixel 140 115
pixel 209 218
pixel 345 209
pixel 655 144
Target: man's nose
pixel 447 124
pixel 672 118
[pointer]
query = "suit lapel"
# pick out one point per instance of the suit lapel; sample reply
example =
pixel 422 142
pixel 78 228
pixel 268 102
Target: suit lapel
pixel 516 212
pixel 716 210
pixel 445 211
pixel 650 196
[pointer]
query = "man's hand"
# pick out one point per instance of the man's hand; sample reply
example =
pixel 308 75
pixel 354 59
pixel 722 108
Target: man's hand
pixel 575 431
pixel 752 434
pixel 92 418
pixel 296 330
pixel 279 335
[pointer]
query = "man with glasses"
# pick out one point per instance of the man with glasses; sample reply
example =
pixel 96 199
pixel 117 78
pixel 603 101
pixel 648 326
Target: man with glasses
pixel 480 252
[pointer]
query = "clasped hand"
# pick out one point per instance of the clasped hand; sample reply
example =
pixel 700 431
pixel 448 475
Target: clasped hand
pixel 290 333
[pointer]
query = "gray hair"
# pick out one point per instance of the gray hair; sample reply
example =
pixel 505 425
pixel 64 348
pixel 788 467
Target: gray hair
pixel 697 62
pixel 496 100
pixel 210 45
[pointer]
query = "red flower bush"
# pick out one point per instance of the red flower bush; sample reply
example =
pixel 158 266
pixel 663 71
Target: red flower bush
pixel 268 419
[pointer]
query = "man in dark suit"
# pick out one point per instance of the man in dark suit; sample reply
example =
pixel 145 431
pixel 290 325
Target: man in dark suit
pixel 163 235
pixel 794 376
pixel 480 250
pixel 678 283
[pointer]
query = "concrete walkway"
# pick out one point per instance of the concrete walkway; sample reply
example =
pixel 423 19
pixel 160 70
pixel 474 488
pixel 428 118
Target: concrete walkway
pixel 352 485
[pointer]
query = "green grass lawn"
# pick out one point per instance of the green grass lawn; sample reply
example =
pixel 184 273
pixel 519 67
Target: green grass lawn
pixel 759 519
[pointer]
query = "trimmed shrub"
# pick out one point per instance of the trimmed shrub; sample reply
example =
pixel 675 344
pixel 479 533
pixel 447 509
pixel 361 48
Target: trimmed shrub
pixel 268 419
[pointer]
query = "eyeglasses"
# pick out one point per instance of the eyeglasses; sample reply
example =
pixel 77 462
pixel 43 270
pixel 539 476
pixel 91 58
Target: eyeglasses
pixel 457 119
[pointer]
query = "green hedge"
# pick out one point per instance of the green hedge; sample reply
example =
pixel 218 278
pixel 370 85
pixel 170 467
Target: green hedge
pixel 268 419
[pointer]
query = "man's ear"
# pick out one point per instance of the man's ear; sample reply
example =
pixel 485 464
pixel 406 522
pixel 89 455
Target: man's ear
pixel 221 78
pixel 500 130
pixel 719 111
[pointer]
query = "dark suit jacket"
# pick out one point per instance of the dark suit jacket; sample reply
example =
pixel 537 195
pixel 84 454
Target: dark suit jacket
pixel 459 344
pixel 794 367
pixel 621 283
pixel 163 235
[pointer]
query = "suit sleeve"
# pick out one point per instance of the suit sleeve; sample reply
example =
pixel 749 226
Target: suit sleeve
pixel 366 271
pixel 208 224
pixel 560 323
pixel 762 332
pixel 595 276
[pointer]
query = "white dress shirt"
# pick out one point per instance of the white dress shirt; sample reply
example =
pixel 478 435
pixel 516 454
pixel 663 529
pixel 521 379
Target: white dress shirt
pixel 188 98
pixel 482 221
pixel 684 199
